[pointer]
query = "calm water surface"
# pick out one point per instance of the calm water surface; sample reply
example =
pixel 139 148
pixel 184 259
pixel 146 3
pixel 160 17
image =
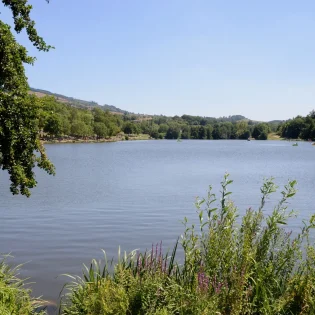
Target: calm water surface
pixel 134 194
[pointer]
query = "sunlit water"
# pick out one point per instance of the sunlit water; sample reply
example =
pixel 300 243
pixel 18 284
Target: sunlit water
pixel 134 194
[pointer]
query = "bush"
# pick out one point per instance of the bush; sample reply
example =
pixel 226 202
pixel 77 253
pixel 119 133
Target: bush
pixel 14 298
pixel 103 297
pixel 263 136
pixel 231 266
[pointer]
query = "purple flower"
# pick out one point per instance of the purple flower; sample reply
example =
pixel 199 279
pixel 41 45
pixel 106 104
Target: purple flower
pixel 218 286
pixel 203 282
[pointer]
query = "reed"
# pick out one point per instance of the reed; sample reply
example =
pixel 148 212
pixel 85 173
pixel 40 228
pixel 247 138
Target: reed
pixel 14 297
pixel 232 265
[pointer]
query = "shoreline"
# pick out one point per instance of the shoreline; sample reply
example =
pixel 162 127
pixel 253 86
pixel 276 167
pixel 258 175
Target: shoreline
pixel 111 139
pixel 115 139
pixel 135 137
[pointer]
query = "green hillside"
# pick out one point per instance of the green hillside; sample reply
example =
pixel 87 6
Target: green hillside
pixel 76 102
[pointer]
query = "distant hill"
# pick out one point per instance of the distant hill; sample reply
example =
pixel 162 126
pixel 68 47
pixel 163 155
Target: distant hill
pixel 137 117
pixel 77 102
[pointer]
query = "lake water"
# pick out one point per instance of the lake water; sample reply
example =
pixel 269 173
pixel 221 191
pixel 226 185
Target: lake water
pixel 134 194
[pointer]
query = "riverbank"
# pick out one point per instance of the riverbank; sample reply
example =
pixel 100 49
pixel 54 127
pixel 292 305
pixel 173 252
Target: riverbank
pixel 274 136
pixel 117 138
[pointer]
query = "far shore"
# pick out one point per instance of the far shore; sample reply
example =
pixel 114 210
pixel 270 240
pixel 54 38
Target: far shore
pixel 134 137
pixel 94 140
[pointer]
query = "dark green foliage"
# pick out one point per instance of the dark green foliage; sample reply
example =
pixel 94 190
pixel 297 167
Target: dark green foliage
pixel 53 125
pixel 260 131
pixel 299 127
pixel 173 132
pixel 294 128
pixel 245 135
pixel 20 148
pixel 131 128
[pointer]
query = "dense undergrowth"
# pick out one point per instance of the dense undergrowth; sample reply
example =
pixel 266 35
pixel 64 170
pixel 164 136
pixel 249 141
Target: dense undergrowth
pixel 232 265
pixel 14 297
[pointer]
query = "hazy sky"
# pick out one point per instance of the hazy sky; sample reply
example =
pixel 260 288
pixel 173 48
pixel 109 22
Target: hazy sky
pixel 209 58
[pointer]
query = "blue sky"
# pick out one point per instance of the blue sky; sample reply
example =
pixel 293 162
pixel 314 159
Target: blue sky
pixel 209 58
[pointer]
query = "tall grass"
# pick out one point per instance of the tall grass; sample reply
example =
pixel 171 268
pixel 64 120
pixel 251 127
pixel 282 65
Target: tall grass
pixel 232 265
pixel 14 297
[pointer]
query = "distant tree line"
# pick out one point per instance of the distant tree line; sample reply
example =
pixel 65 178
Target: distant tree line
pixel 197 127
pixel 58 119
pixel 299 127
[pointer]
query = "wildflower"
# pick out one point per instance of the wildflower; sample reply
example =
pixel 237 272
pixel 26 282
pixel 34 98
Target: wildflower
pixel 203 282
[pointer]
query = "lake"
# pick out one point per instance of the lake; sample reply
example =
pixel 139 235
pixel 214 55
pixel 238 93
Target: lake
pixel 133 194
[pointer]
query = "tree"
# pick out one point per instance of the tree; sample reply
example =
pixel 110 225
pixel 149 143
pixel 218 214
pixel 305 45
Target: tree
pixel 293 128
pixel 19 137
pixel 53 126
pixel 261 131
pixel 209 132
pixel 129 128
pixel 80 129
pixel 113 129
pixel 65 126
pixel 173 132
pixel 222 131
pixel 194 132
pixel 100 130
pixel 146 127
pixel 242 131
pixel 163 128
pixel 99 115
pixel 185 132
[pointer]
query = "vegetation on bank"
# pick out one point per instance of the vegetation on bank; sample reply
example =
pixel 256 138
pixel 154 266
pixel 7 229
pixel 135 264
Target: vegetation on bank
pixel 61 120
pixel 14 297
pixel 298 128
pixel 274 136
pixel 232 265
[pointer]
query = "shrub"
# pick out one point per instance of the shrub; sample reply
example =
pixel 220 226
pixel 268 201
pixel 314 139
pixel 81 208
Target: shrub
pixel 14 298
pixel 232 265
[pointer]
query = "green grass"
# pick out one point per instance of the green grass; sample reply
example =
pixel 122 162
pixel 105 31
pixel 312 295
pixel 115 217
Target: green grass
pixel 140 136
pixel 232 265
pixel 274 136
pixel 15 299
